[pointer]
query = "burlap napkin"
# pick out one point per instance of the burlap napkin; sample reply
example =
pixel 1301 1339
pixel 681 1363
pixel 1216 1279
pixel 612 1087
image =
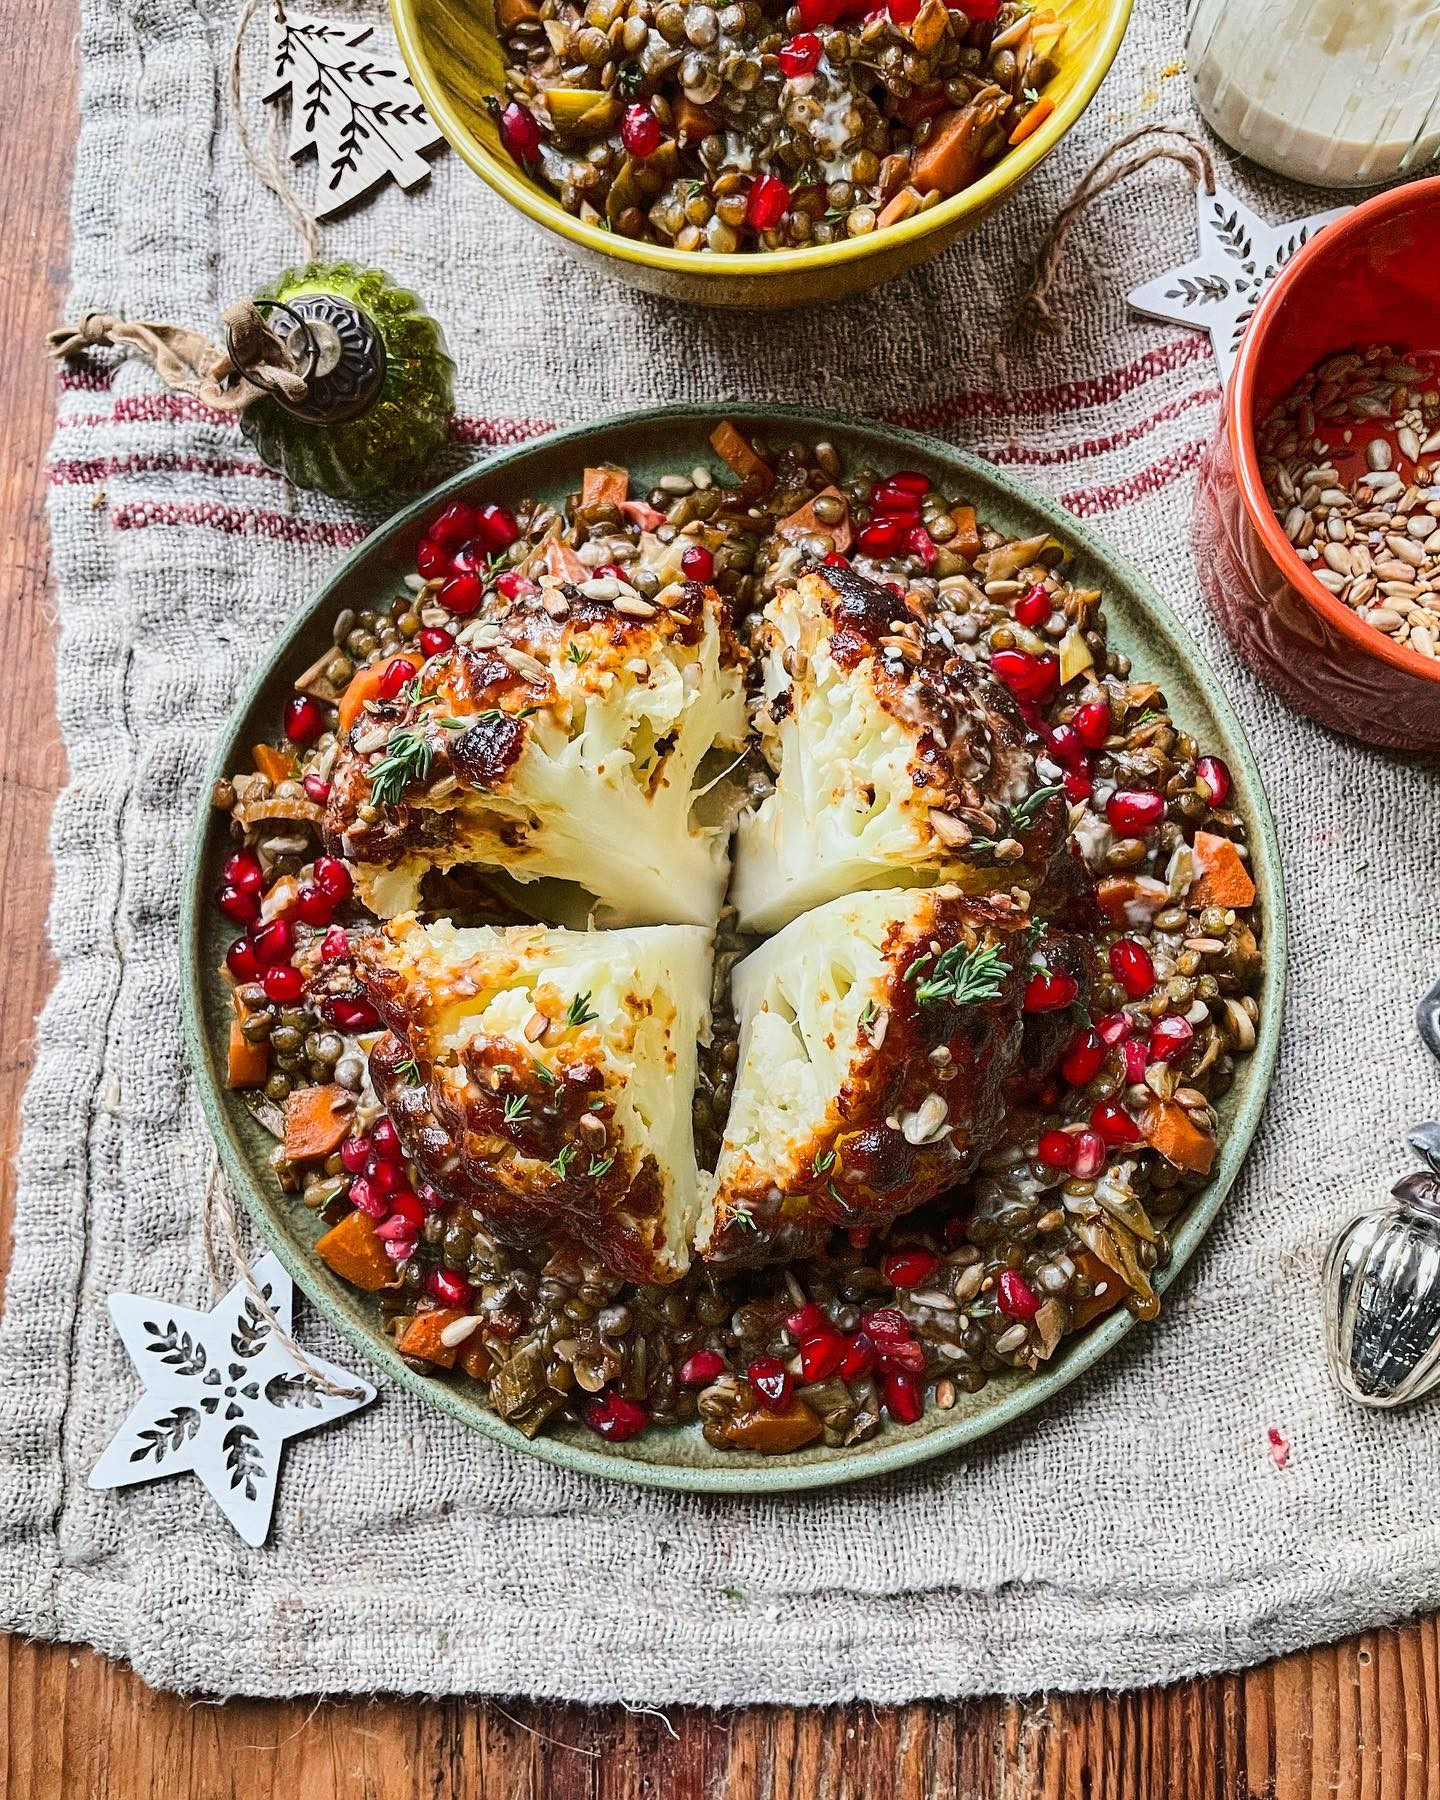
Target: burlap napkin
pixel 1138 1530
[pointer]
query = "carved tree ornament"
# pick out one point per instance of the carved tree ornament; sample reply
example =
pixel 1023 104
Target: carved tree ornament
pixel 357 111
pixel 222 1395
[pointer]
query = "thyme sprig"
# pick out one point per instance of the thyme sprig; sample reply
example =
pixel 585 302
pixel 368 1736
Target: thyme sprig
pixel 408 757
pixel 960 977
pixel 1030 808
pixel 579 1012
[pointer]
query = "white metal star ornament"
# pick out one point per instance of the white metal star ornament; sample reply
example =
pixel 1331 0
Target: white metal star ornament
pixel 222 1394
pixel 1219 289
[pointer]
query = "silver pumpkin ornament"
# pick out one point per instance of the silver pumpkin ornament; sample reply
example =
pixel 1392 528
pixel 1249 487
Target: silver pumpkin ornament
pixel 1382 1275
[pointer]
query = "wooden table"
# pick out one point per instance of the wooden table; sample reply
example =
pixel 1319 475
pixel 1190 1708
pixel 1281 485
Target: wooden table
pixel 1360 1719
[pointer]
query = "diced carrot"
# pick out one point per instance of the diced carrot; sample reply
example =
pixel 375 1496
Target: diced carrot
pixel 422 1337
pixel 316 1120
pixel 1223 879
pixel 773 1433
pixel 353 1251
pixel 738 453
pixel 803 523
pixel 921 103
pixel 365 685
pixel 606 485
pixel 246 1064
pixel 275 765
pixel 1169 1129
pixel 1033 119
pixel 1131 899
pixel 966 541
pixel 693 122
pixel 1100 1275
pixel 899 206
pixel 475 1359
pixel 950 159
pixel 561 560
pixel 642 513
pixel 928 26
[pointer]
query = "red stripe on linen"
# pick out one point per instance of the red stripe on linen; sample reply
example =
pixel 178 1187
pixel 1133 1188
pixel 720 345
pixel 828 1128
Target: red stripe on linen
pixel 82 471
pixel 236 521
pixel 1086 502
pixel 1082 448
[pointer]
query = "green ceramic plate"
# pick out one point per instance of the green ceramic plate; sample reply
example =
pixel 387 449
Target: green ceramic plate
pixel 1141 624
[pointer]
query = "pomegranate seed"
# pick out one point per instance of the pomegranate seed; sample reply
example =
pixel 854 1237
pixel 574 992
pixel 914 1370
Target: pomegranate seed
pixel 351 1015
pixel 461 594
pixel 859 1357
pixel 886 1326
pixel 909 1267
pixel 236 904
pixel 881 537
pixel 431 560
pixel 314 907
pixel 335 944
pixel 283 984
pixel 1092 723
pixel 640 130
pixel 393 677
pixel 402 1250
pixel 354 1154
pixel 520 133
pixel 1033 607
pixel 1045 992
pixel 1115 1027
pixel 701 1368
pixel 614 1418
pixel 388 1177
pixel 404 1205
pixel 1089 1156
pixel 836 561
pixel 909 481
pixel 918 542
pixel 697 563
pixel 1113 1124
pixel 471 559
pixel 1131 966
pixel 316 789
pixel 800 55
pixel 365 1195
pixel 435 640
pixel 1133 811
pixel 1056 1149
pixel 446 1285
pixel 396 1230
pixel 806 1320
pixel 453 527
pixel 1171 1037
pixel 1137 1059
pixel 822 1355
pixel 614 570
pixel 243 871
pixel 903 12
pixel 512 584
pixel 1078 786
pixel 1034 678
pixel 768 203
pixel 1213 780
pixel 1015 1295
pixel 1084 1058
pixel 816 12
pixel 241 961
pixel 333 878
pixel 497 525
pixel 903 1396
pixel 384 1139
pixel 1066 748
pixel 429 1197
pixel 772 1381
pixel 304 721
pixel 274 943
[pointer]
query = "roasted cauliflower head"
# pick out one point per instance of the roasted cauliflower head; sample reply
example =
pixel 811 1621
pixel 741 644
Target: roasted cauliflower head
pixel 544 1078
pixel 574 739
pixel 876 1037
pixel 897 759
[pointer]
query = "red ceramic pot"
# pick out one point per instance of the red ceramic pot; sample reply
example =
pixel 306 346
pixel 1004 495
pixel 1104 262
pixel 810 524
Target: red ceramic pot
pixel 1372 276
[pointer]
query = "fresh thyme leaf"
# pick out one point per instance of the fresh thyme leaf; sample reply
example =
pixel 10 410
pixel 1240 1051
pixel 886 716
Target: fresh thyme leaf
pixel 578 655
pixel 561 1163
pixel 838 1197
pixel 453 724
pixel 602 1167
pixel 742 1215
pixel 1033 805
pixel 916 966
pixel 1031 94
pixel 964 977
pixel 412 695
pixel 517 1109
pixel 493 714
pixel 867 1016
pixel 824 1161
pixel 545 1074
pixel 409 1071
pixel 407 758
pixel 579 1012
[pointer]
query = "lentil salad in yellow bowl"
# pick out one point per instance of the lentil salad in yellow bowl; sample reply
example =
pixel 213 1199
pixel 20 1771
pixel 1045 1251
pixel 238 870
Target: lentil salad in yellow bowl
pixel 622 169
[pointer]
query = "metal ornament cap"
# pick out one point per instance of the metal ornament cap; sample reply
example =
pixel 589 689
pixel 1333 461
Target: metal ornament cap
pixel 1382 1297
pixel 338 350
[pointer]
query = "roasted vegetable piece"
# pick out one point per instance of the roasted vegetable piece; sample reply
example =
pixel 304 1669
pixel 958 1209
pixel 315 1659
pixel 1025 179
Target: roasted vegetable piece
pixel 353 1251
pixel 316 1120
pixel 1223 879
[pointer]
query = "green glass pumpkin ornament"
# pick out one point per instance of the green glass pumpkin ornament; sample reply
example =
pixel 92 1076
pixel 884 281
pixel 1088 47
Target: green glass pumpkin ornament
pixel 378 382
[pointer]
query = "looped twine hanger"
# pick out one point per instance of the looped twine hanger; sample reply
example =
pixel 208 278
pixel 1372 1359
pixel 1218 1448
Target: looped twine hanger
pixel 1108 170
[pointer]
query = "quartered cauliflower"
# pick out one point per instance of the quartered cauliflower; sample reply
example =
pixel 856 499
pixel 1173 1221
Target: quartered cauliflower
pixel 876 1036
pixel 898 761
pixel 574 739
pixel 544 1078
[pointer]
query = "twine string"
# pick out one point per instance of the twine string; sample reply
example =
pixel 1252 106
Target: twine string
pixel 1108 170
pixel 218 1206
pixel 267 167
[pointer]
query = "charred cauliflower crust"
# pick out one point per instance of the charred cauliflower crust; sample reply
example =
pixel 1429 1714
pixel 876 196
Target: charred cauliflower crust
pixel 568 747
pixel 877 1034
pixel 898 760
pixel 544 1078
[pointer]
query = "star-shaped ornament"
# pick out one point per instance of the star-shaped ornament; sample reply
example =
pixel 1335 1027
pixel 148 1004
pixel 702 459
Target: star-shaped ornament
pixel 222 1394
pixel 1219 289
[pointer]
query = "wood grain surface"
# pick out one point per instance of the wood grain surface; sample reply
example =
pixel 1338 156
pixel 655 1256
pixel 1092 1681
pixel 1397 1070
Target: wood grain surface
pixel 1360 1721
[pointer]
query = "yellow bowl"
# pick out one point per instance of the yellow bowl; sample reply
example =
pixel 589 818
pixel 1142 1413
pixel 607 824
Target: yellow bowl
pixel 453 51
